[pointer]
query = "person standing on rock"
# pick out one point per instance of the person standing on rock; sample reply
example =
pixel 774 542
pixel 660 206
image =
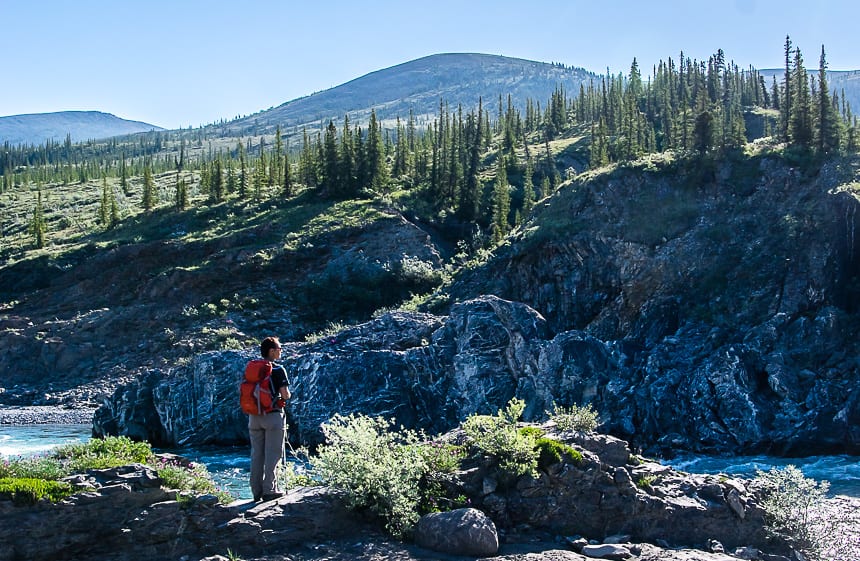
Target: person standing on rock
pixel 267 431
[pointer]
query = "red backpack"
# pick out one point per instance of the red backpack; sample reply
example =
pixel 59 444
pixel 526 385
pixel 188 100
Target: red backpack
pixel 255 392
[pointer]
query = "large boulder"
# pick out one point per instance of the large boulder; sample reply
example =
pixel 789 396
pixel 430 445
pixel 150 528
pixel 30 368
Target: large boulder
pixel 465 531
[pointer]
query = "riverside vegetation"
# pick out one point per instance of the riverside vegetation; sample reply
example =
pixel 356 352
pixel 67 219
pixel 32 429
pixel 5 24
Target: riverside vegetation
pixel 26 480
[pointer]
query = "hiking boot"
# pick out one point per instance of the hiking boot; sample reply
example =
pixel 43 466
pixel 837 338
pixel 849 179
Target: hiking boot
pixel 272 496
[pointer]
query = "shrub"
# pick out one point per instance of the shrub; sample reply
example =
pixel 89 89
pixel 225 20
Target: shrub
pixel 498 437
pixel 442 458
pixel 29 490
pixel 797 511
pixel 189 477
pixel 378 469
pixel 574 418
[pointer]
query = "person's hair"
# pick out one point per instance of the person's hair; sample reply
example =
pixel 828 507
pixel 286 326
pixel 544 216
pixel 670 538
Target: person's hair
pixel 267 344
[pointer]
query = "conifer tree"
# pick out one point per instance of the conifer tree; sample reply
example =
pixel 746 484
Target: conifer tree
pixel 801 113
pixel 104 207
pixel 470 196
pixel 786 105
pixel 181 202
pixel 377 168
pixel 501 203
pixel 216 185
pixel 123 176
pixel 38 226
pixel 828 119
pixel 528 189
pixel 330 182
pixel 243 173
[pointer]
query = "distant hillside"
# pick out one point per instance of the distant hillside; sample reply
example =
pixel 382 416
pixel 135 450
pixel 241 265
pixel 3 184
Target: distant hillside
pixel 456 78
pixel 839 81
pixel 36 128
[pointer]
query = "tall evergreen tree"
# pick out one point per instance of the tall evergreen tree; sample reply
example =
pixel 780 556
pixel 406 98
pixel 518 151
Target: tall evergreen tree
pixel 38 225
pixel 216 185
pixel 828 119
pixel 331 183
pixel 801 113
pixel 181 202
pixel 377 168
pixel 501 203
pixel 104 207
pixel 787 103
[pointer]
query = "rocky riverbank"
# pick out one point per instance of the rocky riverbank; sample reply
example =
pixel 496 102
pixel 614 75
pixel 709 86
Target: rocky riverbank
pixel 567 512
pixel 606 504
pixel 45 414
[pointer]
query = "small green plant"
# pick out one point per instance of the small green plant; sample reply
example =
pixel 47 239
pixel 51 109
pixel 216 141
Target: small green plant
pixel 30 490
pixel 329 332
pixel 233 556
pixel 574 418
pixel 646 481
pixel 498 436
pixel 293 477
pixel 185 477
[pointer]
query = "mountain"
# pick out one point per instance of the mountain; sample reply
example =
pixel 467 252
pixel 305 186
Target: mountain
pixel 458 78
pixel 36 128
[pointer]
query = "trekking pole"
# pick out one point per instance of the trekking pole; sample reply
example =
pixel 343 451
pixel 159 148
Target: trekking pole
pixel 284 461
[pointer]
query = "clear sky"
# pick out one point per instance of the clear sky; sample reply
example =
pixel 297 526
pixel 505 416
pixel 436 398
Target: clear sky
pixel 177 63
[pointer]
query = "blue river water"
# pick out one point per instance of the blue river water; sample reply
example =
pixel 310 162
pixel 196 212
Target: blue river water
pixel 229 466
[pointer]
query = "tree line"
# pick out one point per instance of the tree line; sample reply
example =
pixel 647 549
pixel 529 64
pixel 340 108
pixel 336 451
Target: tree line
pixel 476 167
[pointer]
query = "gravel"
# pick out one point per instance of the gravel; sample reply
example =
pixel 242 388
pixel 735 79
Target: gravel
pixel 44 414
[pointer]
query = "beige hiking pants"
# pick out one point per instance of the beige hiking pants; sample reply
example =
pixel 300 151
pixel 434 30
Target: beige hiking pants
pixel 267 447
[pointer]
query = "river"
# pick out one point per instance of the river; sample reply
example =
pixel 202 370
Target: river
pixel 229 466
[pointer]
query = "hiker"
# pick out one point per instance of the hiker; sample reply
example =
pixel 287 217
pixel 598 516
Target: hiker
pixel 267 429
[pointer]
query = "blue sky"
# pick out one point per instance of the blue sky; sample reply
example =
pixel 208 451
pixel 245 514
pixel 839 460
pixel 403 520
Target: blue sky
pixel 177 63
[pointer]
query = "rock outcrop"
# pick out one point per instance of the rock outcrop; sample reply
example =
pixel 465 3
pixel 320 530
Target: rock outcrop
pixel 431 372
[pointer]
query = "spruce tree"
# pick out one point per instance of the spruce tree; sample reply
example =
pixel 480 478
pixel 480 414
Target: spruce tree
pixel 38 226
pixel 786 105
pixel 377 168
pixel 501 203
pixel 801 114
pixel 104 207
pixel 216 183
pixel 528 189
pixel 828 118
pixel 330 182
